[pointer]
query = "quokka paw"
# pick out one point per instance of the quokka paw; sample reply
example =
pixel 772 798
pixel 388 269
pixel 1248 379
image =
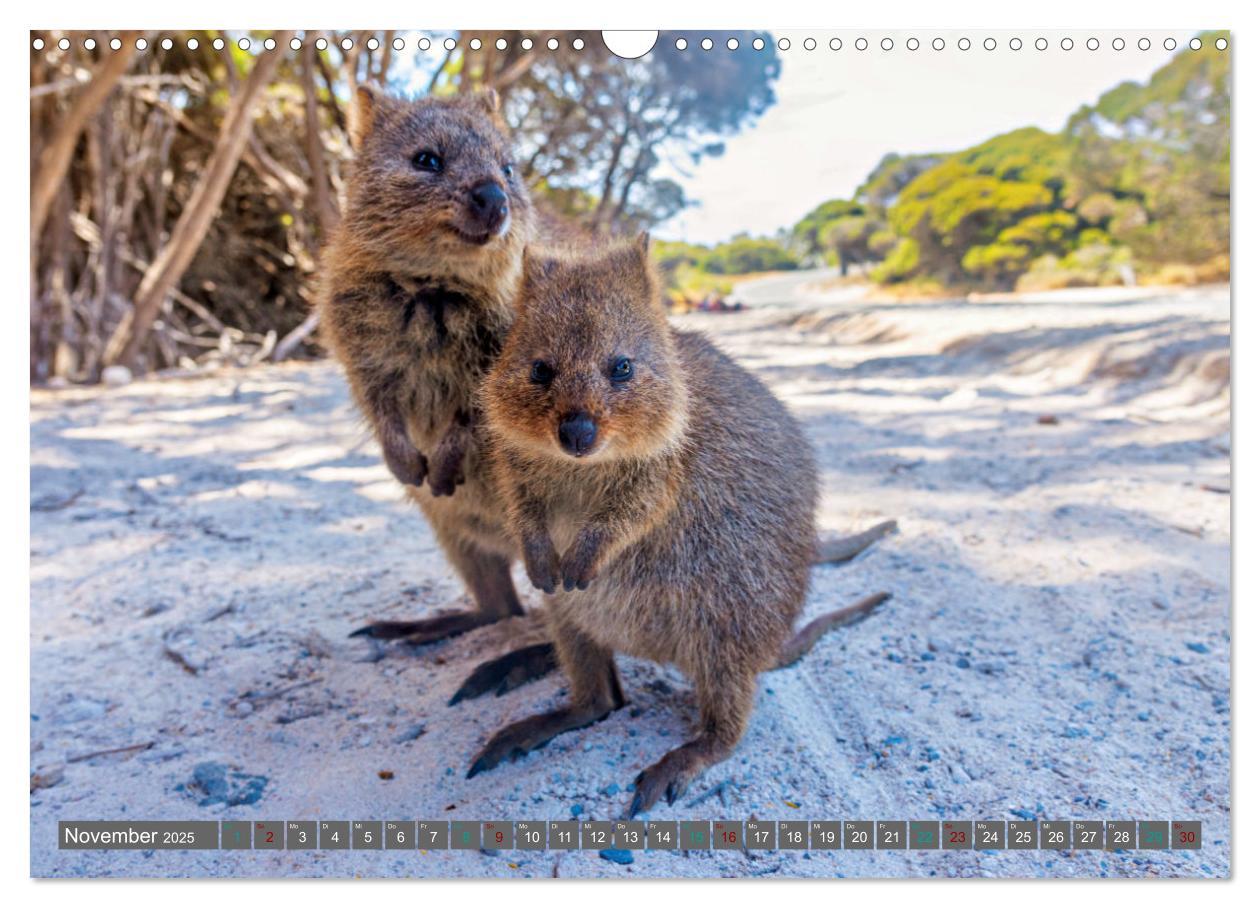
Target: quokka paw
pixel 407 464
pixel 580 564
pixel 444 481
pixel 542 564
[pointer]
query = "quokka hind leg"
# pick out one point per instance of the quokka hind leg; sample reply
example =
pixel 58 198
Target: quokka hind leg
pixel 595 691
pixel 508 672
pixel 488 577
pixel 726 702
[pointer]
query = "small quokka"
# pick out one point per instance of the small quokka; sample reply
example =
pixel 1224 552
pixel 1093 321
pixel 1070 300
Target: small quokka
pixel 658 490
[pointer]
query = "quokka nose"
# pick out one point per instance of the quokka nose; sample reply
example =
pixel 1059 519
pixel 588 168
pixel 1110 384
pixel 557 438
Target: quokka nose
pixel 489 203
pixel 577 434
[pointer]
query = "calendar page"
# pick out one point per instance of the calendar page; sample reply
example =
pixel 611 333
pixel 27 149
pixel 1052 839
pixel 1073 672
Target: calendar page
pixel 671 454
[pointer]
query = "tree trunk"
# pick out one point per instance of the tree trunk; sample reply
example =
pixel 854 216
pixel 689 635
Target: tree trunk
pixel 350 63
pixel 324 206
pixel 199 212
pixel 610 175
pixel 387 57
pixel 54 160
pixel 637 172
pixel 513 71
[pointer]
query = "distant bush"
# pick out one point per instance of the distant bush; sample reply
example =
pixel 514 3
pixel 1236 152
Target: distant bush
pixel 1095 265
pixel 745 255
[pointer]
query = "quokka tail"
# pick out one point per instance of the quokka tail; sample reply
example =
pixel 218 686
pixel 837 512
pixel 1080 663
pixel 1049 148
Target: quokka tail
pixel 804 639
pixel 838 551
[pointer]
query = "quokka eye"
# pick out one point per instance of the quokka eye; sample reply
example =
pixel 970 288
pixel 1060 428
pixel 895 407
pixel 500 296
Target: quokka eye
pixel 428 161
pixel 622 370
pixel 508 170
pixel 540 373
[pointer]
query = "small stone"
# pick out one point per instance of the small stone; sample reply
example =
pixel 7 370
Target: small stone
pixel 81 711
pixel 116 376
pixel 47 777
pixel 222 784
pixel 1200 648
pixel 409 734
pixel 617 855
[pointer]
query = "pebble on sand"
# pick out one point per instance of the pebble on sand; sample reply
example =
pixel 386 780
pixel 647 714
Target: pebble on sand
pixel 224 785
pixel 116 376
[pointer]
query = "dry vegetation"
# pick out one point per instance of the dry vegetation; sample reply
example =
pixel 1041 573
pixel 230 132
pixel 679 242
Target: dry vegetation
pixel 180 195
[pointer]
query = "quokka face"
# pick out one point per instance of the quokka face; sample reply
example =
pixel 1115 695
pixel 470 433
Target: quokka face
pixel 434 181
pixel 589 371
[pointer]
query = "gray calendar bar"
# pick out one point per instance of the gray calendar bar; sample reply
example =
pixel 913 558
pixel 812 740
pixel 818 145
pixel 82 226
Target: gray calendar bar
pixel 422 836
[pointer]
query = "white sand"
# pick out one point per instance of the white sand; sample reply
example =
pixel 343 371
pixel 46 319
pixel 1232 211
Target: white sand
pixel 1059 641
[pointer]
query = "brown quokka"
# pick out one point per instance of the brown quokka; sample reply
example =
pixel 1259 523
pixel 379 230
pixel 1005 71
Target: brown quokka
pixel 659 490
pixel 422 273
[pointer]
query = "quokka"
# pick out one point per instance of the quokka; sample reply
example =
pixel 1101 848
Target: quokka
pixel 417 298
pixel 659 492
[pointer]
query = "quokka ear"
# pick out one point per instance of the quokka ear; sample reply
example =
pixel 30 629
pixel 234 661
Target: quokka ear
pixel 638 252
pixel 635 257
pixel 537 269
pixel 488 100
pixel 369 102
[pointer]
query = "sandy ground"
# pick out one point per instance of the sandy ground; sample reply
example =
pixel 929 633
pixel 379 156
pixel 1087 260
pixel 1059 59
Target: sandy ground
pixel 1058 645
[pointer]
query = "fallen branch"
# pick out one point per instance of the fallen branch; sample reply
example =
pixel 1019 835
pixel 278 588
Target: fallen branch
pixel 255 697
pixel 109 752
pixel 294 338
pixel 57 504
